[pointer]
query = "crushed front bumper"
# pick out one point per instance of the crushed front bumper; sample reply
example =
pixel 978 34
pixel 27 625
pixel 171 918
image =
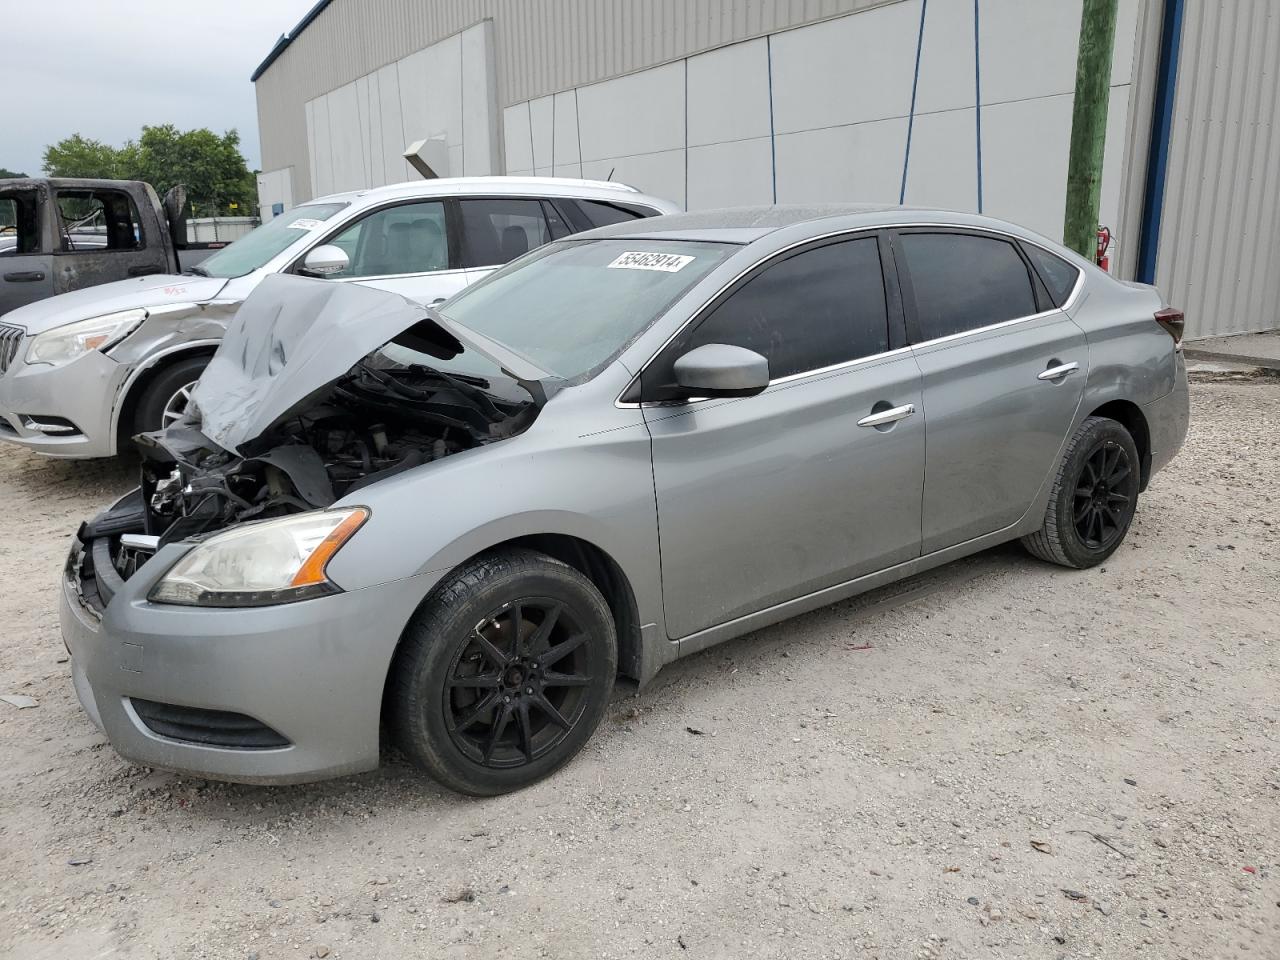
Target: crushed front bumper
pixel 63 411
pixel 158 678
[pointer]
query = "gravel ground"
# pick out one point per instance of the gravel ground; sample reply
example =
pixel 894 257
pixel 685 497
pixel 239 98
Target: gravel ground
pixel 1000 759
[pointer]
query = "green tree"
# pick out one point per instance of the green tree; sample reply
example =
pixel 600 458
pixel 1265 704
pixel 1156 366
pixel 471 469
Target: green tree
pixel 10 174
pixel 210 166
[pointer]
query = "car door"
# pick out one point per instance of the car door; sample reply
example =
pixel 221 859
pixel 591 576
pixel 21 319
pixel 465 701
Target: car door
pixel 100 238
pixel 26 263
pixel 1004 370
pixel 813 482
pixel 403 247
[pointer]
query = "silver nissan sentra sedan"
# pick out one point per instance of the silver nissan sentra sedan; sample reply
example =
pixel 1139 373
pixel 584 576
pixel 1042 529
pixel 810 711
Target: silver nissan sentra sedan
pixel 624 447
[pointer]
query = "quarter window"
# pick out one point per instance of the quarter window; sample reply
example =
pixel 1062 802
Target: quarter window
pixel 1059 276
pixel 408 238
pixel 818 308
pixel 602 214
pixel 497 231
pixel 963 281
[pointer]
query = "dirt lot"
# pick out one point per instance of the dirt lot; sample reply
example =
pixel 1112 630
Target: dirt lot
pixel 1000 759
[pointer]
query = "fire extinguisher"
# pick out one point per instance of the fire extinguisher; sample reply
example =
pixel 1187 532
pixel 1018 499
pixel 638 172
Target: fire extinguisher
pixel 1104 244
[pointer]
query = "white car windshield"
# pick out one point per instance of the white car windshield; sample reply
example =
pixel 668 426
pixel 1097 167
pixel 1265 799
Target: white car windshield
pixel 570 307
pixel 262 243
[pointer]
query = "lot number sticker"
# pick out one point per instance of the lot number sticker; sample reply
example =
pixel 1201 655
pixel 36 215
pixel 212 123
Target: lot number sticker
pixel 305 223
pixel 639 260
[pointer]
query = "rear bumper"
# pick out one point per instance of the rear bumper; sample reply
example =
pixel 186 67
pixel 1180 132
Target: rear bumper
pixel 61 411
pixel 312 671
pixel 1168 419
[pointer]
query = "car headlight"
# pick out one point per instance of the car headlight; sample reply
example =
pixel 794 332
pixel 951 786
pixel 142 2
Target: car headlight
pixel 276 561
pixel 97 333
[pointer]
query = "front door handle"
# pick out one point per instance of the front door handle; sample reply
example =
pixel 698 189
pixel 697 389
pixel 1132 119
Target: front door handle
pixel 24 276
pixel 892 415
pixel 1058 372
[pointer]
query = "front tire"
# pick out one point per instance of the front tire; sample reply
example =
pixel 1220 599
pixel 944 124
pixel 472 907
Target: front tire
pixel 164 399
pixel 504 674
pixel 1094 497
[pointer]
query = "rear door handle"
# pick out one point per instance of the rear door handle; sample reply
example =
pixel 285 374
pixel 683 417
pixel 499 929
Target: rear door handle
pixel 892 415
pixel 1058 372
pixel 24 276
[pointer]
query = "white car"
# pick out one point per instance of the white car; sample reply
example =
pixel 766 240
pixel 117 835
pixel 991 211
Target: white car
pixel 82 372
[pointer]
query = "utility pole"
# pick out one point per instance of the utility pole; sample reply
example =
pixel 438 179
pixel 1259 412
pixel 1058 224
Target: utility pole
pixel 1089 125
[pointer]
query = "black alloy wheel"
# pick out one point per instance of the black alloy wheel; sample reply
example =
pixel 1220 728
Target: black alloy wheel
pixel 504 672
pixel 1093 497
pixel 516 688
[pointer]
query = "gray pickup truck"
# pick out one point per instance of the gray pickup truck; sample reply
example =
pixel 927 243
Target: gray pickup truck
pixel 58 235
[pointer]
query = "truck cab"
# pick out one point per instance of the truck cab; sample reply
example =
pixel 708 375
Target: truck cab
pixel 59 235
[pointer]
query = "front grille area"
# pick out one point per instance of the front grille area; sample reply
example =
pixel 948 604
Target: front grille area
pixel 215 728
pixel 10 341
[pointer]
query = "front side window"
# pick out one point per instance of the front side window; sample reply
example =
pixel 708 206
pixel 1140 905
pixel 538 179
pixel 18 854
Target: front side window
pixel 97 220
pixel 574 305
pixel 497 231
pixel 964 281
pixel 261 244
pixel 19 223
pixel 818 308
pixel 407 238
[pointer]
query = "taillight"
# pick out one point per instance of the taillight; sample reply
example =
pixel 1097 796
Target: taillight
pixel 1172 320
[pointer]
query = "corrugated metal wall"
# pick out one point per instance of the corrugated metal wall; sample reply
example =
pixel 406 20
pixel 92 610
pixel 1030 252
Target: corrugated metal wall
pixel 542 46
pixel 1219 254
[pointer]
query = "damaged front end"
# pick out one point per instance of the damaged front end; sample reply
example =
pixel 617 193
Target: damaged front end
pixel 317 391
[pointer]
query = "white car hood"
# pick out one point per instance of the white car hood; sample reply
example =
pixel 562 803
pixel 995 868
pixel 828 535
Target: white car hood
pixel 151 291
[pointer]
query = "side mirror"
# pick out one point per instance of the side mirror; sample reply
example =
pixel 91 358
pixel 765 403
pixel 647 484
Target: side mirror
pixel 721 370
pixel 324 260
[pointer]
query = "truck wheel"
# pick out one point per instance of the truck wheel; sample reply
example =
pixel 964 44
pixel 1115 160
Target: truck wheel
pixel 504 673
pixel 166 396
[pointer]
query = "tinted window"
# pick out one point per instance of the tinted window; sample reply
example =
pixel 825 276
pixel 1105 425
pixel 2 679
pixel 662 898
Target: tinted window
pixel 409 238
pixel 497 231
pixel 962 282
pixel 1058 275
pixel 19 224
pixel 815 309
pixel 97 220
pixel 602 214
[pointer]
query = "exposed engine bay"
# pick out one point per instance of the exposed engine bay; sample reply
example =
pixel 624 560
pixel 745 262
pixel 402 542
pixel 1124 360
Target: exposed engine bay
pixel 395 409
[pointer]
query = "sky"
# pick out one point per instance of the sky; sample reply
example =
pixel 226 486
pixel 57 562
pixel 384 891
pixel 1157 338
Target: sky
pixel 106 68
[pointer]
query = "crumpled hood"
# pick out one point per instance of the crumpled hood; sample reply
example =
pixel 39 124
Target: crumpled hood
pixel 151 291
pixel 294 336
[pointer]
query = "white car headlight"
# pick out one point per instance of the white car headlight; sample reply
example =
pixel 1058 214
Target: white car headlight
pixel 276 561
pixel 97 333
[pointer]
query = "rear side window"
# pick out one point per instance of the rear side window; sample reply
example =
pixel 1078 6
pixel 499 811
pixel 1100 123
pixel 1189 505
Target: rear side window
pixel 818 308
pixel 1059 276
pixel 497 231
pixel 97 220
pixel 602 214
pixel 19 224
pixel 962 282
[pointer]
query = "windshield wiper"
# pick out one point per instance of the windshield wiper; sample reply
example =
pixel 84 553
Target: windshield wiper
pixel 196 271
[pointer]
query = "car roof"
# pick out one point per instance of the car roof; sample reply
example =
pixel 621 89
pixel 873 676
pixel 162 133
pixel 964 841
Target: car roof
pixel 747 224
pixel 489 186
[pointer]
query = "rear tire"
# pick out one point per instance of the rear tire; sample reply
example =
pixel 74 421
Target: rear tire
pixel 162 391
pixel 1094 497
pixel 504 674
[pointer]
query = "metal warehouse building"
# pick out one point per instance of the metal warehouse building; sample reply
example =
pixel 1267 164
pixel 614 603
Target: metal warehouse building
pixel 965 104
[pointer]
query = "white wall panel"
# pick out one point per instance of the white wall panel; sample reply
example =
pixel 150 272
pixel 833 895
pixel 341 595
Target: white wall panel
pixel 944 161
pixel 275 186
pixel 640 113
pixel 395 169
pixel 518 140
pixel 846 71
pixel 568 158
pixel 1028 48
pixel 414 122
pixel 661 174
pixel 946 58
pixel 729 94
pixel 542 125
pixel 323 148
pixel 345 145
pixel 313 178
pixel 481 154
pixel 730 174
pixel 857 162
pixel 1024 159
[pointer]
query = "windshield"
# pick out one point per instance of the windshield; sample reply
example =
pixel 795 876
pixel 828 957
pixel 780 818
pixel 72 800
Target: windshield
pixel 571 307
pixel 262 243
